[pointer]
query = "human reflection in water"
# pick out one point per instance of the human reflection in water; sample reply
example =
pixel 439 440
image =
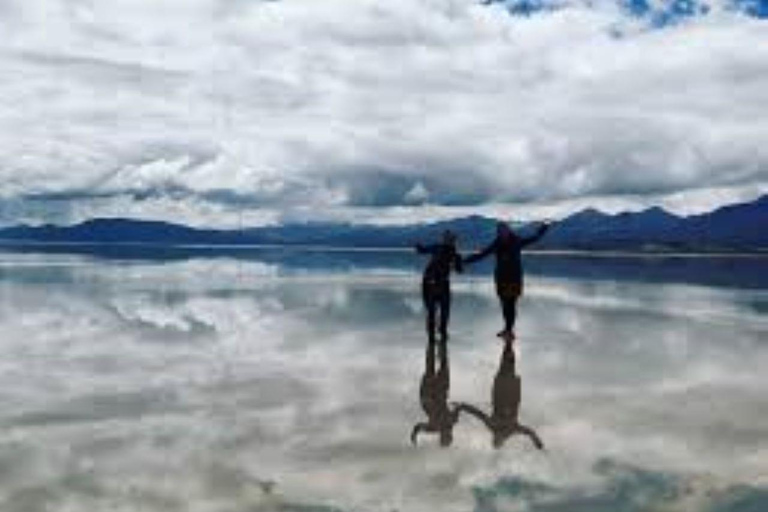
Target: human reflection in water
pixel 433 394
pixel 504 423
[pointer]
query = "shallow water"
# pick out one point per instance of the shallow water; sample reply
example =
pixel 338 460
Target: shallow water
pixel 288 382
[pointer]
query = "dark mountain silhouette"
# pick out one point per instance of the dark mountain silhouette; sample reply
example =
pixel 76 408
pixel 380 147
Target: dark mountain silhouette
pixel 591 229
pixel 738 227
pixel 474 230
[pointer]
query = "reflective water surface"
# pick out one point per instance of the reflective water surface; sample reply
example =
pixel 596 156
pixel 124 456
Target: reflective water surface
pixel 292 381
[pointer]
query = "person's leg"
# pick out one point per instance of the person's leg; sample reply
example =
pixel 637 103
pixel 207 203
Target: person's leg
pixel 502 292
pixel 509 308
pixel 431 313
pixel 502 332
pixel 430 304
pixel 445 313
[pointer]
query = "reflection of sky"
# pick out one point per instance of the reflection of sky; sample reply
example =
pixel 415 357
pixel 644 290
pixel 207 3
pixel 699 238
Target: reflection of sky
pixel 191 385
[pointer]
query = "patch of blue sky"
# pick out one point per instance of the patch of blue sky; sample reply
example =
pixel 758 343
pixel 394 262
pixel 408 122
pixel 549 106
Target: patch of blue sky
pixel 756 8
pixel 670 13
pixel 676 11
pixel 527 7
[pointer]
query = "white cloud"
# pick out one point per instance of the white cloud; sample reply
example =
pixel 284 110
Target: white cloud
pixel 417 194
pixel 198 110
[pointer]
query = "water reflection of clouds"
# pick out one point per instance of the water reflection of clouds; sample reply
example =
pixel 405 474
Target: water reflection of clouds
pixel 167 378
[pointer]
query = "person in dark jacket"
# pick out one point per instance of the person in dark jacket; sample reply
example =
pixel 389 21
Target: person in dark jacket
pixel 436 284
pixel 505 398
pixel 509 270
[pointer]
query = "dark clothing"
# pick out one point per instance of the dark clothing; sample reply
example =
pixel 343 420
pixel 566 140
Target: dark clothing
pixel 509 270
pixel 437 297
pixel 509 310
pixel 509 266
pixel 436 286
pixel 444 257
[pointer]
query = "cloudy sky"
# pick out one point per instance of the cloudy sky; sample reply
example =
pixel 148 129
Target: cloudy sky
pixel 217 112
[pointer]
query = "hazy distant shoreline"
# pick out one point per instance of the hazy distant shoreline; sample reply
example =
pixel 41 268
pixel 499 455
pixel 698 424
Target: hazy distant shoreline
pixel 585 253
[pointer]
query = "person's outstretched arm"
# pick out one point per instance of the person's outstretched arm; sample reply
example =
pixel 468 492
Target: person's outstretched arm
pixel 458 263
pixel 474 411
pixel 534 238
pixel 481 254
pixel 532 435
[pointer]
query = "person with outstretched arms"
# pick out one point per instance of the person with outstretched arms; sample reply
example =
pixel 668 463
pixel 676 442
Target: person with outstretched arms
pixel 507 247
pixel 436 284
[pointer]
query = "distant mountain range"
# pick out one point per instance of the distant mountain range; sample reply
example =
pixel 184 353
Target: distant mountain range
pixel 735 228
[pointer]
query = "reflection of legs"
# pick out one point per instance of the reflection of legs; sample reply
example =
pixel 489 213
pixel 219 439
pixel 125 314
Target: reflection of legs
pixel 506 369
pixel 446 418
pixel 429 362
pixel 507 361
pixel 506 389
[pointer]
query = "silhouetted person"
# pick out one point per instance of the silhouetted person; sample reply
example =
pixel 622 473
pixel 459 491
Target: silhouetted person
pixel 509 270
pixel 433 394
pixel 503 423
pixel 436 284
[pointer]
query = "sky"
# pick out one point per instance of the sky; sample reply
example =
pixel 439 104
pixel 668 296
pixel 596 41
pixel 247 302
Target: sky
pixel 249 112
